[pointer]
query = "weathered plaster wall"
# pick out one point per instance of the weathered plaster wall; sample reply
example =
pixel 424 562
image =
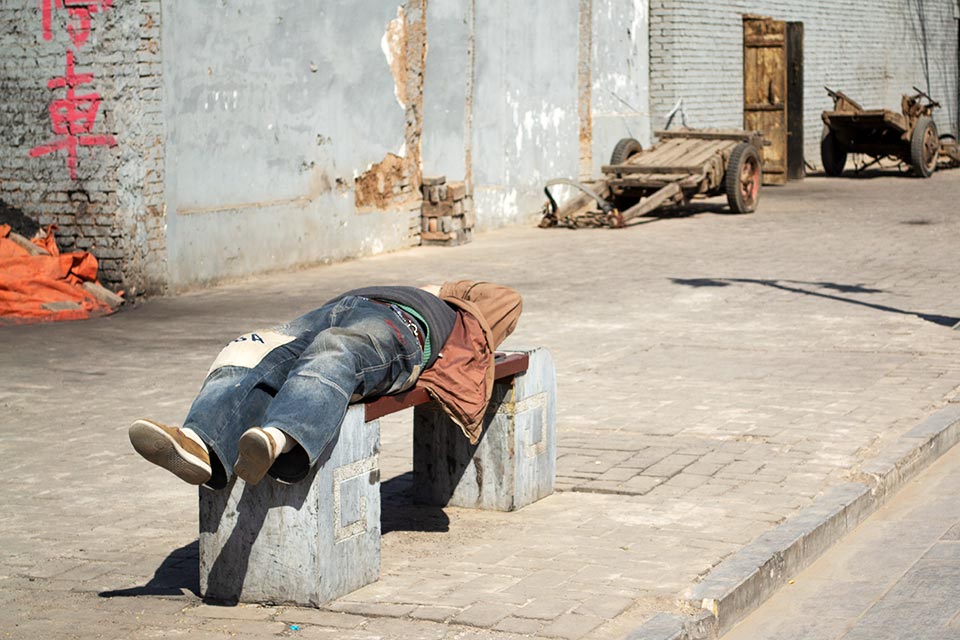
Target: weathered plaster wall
pixel 620 86
pixel 248 136
pixel 547 92
pixel 293 133
pixel 109 106
pixel 266 143
pixel 447 89
pixel 872 51
pixel 525 126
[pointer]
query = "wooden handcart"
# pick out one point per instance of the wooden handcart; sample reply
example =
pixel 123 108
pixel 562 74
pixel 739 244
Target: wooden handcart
pixel 909 137
pixel 683 165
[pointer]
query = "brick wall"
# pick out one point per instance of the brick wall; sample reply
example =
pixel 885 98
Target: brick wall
pixel 111 202
pixel 872 51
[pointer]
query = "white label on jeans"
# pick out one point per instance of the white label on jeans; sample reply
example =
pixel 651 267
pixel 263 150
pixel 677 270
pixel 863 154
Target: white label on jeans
pixel 249 349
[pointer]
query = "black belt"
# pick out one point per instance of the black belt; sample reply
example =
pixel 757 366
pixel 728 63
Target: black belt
pixel 406 318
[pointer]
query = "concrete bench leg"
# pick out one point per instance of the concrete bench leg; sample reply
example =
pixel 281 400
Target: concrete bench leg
pixel 514 463
pixel 304 543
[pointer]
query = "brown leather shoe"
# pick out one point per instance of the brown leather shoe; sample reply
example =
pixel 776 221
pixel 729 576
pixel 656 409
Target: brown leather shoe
pixel 170 448
pixel 257 452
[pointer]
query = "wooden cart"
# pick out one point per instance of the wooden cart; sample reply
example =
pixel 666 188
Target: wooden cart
pixel 683 165
pixel 909 137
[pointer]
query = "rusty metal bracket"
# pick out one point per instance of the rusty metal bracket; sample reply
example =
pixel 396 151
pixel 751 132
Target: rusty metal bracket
pixel 605 206
pixel 923 94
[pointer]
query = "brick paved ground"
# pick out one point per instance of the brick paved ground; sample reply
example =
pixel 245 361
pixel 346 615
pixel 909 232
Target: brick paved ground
pixel 716 373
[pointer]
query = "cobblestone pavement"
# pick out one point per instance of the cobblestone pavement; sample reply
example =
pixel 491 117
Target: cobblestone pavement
pixel 716 373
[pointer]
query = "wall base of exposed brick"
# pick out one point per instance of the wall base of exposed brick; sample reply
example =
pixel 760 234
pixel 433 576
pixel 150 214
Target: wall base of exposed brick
pixel 84 135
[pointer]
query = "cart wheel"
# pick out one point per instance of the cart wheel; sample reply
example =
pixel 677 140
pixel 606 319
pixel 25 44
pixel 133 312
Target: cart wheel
pixel 742 181
pixel 833 154
pixel 924 146
pixel 626 148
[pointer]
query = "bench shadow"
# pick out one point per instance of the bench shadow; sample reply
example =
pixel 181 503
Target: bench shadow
pixel 400 512
pixel 807 288
pixel 408 507
pixel 178 572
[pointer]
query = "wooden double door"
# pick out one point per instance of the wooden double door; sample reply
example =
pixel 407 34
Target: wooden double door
pixel 773 93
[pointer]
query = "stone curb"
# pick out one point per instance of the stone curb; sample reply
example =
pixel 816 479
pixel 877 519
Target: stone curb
pixel 742 582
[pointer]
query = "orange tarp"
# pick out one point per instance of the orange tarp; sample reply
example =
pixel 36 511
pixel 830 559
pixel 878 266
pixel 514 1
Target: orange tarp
pixel 44 288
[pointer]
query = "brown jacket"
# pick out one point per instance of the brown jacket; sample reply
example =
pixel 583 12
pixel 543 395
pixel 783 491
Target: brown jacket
pixel 461 380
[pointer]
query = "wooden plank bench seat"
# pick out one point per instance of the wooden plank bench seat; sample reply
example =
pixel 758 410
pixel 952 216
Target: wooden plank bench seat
pixel 312 541
pixel 507 365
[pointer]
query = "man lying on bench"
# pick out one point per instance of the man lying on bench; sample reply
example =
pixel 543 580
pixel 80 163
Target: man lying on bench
pixel 274 399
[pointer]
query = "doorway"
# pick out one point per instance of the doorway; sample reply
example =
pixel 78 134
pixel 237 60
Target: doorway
pixel 773 93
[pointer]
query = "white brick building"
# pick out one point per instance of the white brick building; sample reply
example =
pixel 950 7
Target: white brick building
pixel 873 51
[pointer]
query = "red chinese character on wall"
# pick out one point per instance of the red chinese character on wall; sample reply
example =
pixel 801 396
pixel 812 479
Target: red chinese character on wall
pixel 79 10
pixel 73 118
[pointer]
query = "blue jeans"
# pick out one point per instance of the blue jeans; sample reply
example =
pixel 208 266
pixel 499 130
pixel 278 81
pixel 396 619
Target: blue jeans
pixel 300 378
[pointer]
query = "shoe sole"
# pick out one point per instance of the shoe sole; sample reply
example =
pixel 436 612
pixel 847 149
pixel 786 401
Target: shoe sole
pixel 254 456
pixel 159 447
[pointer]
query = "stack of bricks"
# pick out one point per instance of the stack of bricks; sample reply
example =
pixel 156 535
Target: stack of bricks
pixel 447 213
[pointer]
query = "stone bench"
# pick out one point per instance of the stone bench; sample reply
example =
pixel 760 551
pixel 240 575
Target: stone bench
pixel 318 539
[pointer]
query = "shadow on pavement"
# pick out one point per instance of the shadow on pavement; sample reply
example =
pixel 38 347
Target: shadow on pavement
pixel 790 285
pixel 869 173
pixel 400 513
pixel 180 570
pixel 689 210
